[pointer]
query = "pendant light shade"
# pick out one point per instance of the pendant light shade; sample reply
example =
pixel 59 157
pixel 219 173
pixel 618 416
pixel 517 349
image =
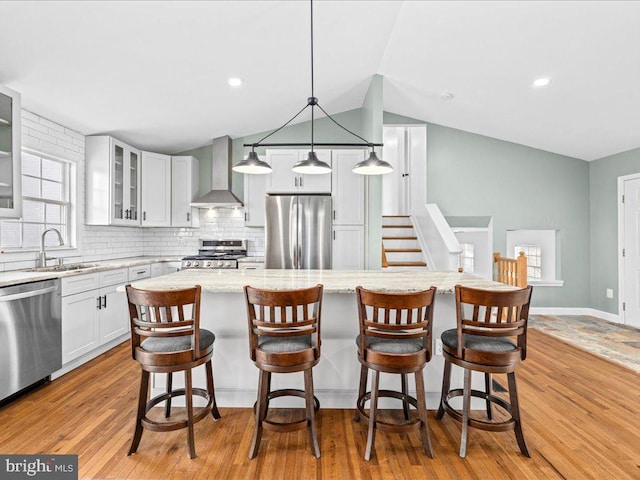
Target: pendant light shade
pixel 252 164
pixel 372 166
pixel 312 165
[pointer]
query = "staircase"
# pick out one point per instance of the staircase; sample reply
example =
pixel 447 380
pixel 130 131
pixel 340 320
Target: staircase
pixel 400 247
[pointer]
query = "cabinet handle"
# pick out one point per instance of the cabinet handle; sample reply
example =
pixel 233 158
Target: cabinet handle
pixel 121 214
pixel 300 181
pixel 334 214
pixel 141 272
pixel 144 216
pixel 295 181
pixel 99 305
pixel 245 216
pixel 104 299
pixel 334 234
pixel 188 217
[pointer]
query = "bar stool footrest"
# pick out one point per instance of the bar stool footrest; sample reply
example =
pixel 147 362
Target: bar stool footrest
pixel 493 426
pixel 273 425
pixel 167 426
pixel 408 425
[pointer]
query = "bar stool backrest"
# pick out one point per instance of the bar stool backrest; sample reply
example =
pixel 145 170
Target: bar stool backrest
pixel 165 314
pixel 493 313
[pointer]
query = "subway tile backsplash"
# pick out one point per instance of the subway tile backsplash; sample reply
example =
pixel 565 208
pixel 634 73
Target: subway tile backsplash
pixel 97 243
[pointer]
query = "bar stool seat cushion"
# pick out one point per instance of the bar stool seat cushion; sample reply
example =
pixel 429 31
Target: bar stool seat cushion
pixel 410 345
pixel 478 342
pixel 284 344
pixel 177 344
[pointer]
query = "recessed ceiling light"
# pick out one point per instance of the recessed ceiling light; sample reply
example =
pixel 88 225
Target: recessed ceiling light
pixel 541 82
pixel 235 81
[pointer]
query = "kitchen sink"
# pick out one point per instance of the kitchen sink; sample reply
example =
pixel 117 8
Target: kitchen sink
pixel 64 268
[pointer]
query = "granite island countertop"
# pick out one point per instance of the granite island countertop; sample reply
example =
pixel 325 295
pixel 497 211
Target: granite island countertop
pixel 334 281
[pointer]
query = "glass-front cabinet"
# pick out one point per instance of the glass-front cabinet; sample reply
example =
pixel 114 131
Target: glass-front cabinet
pixel 112 182
pixel 10 186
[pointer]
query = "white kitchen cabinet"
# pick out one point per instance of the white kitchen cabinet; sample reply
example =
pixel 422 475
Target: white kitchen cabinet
pixel 95 316
pixel 112 191
pixel 255 188
pixel 347 251
pixel 284 180
pixel 139 272
pixel 347 188
pixel 251 265
pixel 10 154
pixel 156 190
pixel 185 182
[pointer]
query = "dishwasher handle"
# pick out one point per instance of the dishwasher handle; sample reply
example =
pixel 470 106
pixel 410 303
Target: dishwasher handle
pixel 34 293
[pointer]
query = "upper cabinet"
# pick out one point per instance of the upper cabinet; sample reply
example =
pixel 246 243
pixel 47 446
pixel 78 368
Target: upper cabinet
pixel 185 179
pixel 112 190
pixel 255 187
pixel 284 180
pixel 10 145
pixel 348 188
pixel 156 190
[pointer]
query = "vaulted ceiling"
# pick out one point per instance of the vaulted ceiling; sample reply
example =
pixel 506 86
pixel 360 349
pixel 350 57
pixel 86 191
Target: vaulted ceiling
pixel 155 73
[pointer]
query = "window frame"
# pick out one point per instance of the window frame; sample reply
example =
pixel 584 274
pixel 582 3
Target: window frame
pixel 547 240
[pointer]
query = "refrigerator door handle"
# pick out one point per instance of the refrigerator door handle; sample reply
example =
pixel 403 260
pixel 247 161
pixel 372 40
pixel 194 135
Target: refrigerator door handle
pixel 294 234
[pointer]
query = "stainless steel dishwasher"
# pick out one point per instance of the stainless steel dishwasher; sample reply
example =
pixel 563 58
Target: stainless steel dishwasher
pixel 30 334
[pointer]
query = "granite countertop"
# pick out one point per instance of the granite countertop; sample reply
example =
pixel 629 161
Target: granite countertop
pixel 334 281
pixel 17 277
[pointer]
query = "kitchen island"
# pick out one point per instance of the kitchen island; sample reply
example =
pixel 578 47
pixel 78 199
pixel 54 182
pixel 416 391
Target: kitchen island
pixel 223 311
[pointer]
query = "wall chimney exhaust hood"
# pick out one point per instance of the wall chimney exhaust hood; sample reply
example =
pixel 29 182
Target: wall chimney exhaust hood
pixel 220 195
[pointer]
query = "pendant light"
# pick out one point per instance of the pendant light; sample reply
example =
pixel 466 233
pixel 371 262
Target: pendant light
pixel 312 164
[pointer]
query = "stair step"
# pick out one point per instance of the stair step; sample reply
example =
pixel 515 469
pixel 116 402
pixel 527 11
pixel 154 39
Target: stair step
pixel 397 226
pixel 406 264
pixel 395 216
pixel 398 250
pixel 399 238
pixel 398 220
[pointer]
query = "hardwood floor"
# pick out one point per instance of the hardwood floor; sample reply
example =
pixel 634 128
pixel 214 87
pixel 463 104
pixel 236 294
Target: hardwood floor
pixel 581 419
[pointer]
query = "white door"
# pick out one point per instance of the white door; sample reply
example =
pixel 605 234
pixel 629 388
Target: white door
pixel 631 258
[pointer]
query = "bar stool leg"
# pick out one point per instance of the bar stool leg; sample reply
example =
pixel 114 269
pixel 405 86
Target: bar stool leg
pixel 142 410
pixel 212 393
pixel 189 397
pixel 422 414
pixel 446 385
pixel 487 388
pixel 515 413
pixel 466 405
pixel 311 414
pixel 364 372
pixel 373 410
pixel 405 392
pixel 261 408
pixel 167 406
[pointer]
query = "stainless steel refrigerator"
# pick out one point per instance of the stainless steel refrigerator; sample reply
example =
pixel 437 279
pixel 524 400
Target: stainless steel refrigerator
pixel 298 231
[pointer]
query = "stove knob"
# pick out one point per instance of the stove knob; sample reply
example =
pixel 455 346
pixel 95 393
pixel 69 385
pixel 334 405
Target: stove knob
pixel 208 264
pixel 227 264
pixel 220 264
pixel 196 264
pixel 188 264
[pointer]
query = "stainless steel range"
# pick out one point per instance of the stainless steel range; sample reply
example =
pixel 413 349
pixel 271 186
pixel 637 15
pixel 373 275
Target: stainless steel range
pixel 217 254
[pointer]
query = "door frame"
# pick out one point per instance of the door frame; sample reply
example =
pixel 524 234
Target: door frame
pixel 621 231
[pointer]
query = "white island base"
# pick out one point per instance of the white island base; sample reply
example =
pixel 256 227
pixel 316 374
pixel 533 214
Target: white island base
pixel 336 376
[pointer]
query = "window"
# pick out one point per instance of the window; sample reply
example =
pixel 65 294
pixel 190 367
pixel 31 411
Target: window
pixel 46 203
pixel 534 260
pixel 467 257
pixel 542 249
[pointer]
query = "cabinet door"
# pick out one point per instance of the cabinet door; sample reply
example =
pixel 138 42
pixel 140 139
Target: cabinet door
pixel 156 190
pixel 113 319
pixel 133 186
pixel 348 188
pixel 255 187
pixel 119 183
pixel 315 183
pixel 348 247
pixel 184 188
pixel 80 331
pixel 282 179
pixel 10 154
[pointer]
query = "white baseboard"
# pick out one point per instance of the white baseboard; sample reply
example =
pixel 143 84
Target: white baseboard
pixel 610 317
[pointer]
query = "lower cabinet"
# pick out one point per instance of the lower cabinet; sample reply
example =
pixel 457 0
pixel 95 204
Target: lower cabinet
pixel 93 317
pixel 347 251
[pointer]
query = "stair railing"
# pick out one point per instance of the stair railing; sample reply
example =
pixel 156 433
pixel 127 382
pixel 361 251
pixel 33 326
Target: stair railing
pixel 511 271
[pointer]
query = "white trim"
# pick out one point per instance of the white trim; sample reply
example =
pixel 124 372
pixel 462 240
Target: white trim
pixel 621 298
pixel 546 283
pixel 592 312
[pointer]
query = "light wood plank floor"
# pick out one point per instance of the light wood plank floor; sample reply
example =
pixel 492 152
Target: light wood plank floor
pixel 581 418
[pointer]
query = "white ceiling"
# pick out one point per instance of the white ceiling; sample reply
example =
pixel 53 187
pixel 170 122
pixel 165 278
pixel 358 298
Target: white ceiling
pixel 155 73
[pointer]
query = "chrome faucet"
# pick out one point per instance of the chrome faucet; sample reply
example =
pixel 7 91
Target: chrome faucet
pixel 42 256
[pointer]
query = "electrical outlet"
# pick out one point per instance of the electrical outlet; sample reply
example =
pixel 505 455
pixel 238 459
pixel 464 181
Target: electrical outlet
pixel 438 346
pixel 609 292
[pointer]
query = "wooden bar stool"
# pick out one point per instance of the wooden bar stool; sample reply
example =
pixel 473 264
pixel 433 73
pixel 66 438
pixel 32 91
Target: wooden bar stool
pixel 284 337
pixel 493 339
pixel 165 338
pixel 395 337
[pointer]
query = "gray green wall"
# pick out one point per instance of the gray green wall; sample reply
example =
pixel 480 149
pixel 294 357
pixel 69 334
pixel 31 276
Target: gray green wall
pixel 603 193
pixel 204 155
pixel 522 188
